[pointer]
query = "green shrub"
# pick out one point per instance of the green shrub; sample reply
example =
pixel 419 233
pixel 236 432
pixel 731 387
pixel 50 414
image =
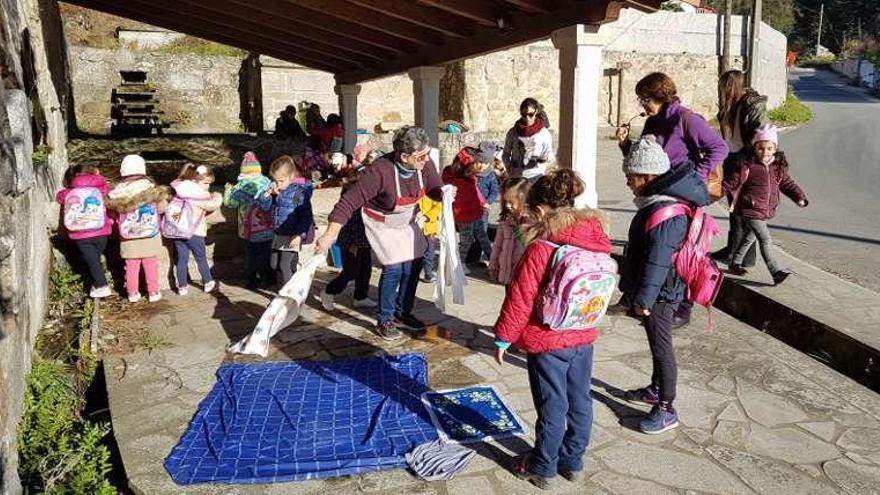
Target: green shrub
pixel 817 62
pixel 198 46
pixel 792 112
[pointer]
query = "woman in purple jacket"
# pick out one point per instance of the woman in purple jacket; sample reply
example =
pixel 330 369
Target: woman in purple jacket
pixel 684 135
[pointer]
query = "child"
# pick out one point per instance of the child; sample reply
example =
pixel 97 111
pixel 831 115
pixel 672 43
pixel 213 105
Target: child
pixel 292 215
pixel 487 182
pixel 559 363
pixel 469 203
pixel 755 188
pixel 138 202
pixel 431 210
pixel 192 184
pixel 651 284
pixel 84 210
pixel 509 243
pixel 250 195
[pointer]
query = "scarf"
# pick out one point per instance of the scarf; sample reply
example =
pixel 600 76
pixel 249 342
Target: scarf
pixel 645 201
pixel 523 130
pixel 404 172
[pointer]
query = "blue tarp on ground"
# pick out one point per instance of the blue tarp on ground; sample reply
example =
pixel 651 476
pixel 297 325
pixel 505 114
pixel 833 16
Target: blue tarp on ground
pixel 263 423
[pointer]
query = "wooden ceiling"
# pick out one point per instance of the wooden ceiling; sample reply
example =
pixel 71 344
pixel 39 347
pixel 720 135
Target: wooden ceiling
pixel 359 40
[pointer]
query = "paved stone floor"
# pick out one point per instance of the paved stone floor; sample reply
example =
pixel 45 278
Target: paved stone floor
pixel 757 416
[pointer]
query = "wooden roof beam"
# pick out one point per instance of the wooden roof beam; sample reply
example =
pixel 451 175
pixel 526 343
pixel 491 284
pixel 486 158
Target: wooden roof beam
pixel 480 12
pixel 406 10
pixel 532 6
pixel 180 25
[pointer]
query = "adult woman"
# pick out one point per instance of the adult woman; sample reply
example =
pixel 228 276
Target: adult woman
pixel 388 193
pixel 684 135
pixel 741 112
pixel 528 146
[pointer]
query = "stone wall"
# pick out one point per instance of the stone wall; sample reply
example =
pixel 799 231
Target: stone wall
pixel 31 112
pixel 198 94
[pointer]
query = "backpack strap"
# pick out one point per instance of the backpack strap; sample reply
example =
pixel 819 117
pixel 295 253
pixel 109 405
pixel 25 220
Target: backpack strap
pixel 664 213
pixel 743 177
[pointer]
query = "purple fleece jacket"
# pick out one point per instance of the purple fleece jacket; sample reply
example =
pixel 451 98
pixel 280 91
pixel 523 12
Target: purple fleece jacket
pixel 667 126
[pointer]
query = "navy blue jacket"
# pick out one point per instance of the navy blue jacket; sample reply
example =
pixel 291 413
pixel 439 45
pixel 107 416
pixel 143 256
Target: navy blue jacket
pixel 293 209
pixel 649 275
pixel 488 185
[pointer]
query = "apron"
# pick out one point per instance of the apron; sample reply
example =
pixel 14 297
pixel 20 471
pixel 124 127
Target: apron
pixel 395 237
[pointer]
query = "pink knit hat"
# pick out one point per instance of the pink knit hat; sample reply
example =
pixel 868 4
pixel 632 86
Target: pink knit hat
pixel 768 132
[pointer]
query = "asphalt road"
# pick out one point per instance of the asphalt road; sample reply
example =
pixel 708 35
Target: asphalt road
pixel 836 160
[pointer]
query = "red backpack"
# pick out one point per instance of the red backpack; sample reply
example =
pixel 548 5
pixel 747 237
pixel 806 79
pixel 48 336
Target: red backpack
pixel 700 273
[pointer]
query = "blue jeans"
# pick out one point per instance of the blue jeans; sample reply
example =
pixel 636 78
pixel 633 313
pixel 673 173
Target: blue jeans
pixel 196 245
pixel 430 256
pixel 397 289
pixel 560 383
pixel 481 233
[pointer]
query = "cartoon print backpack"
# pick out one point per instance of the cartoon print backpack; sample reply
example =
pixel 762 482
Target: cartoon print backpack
pixel 257 220
pixel 699 272
pixel 181 219
pixel 141 223
pixel 84 209
pixel 579 288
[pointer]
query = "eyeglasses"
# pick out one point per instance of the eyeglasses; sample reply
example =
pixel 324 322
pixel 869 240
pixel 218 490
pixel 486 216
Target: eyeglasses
pixel 645 100
pixel 419 156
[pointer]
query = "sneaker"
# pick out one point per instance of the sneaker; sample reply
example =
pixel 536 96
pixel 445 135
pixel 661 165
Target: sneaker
pixel 736 269
pixel 364 303
pixel 182 291
pixel 155 297
pixel 646 395
pixel 133 298
pixel 429 279
pixel 328 301
pixel 210 286
pixel 99 292
pixel 411 322
pixel 722 254
pixel 780 276
pixel 679 321
pixel 520 469
pixel 388 330
pixel 573 476
pixel 661 418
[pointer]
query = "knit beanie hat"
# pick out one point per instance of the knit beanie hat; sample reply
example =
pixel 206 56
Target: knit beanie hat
pixel 133 165
pixel 646 157
pixel 250 164
pixel 487 150
pixel 767 132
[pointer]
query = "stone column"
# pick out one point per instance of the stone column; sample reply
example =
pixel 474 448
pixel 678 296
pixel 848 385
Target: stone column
pixel 580 71
pixel 426 94
pixel 348 108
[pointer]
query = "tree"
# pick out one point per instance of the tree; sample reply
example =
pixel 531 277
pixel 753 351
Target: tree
pixel 779 14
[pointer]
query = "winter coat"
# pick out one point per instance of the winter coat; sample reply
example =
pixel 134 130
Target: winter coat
pixel 751 110
pixel 701 146
pixel 330 137
pixel 648 274
pixel 519 151
pixel 129 195
pixel 88 180
pixel 488 183
pixel 248 192
pixel 431 210
pixel 507 249
pixel 519 322
pixel 469 203
pixel 293 209
pixel 759 196
pixel 202 200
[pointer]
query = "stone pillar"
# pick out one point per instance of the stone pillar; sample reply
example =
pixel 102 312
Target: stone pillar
pixel 426 94
pixel 580 71
pixel 348 109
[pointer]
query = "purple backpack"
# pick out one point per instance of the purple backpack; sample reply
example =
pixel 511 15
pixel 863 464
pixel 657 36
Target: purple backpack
pixel 181 219
pixel 579 288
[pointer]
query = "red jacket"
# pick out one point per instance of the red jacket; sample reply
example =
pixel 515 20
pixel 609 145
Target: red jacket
pixel 518 322
pixel 326 134
pixel 469 202
pixel 759 196
pixel 87 180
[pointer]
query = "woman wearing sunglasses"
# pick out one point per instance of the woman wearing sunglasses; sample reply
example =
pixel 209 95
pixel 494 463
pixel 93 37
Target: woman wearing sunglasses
pixel 528 147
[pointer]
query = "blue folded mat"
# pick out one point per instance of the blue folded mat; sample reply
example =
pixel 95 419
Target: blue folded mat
pixel 472 414
pixel 263 423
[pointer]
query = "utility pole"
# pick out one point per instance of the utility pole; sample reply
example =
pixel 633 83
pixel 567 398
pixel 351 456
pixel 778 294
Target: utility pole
pixel 725 43
pixel 819 34
pixel 757 8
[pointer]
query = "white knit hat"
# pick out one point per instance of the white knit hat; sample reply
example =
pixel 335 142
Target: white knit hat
pixel 646 157
pixel 133 165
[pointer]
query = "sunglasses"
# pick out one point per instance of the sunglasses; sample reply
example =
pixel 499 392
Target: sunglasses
pixel 528 114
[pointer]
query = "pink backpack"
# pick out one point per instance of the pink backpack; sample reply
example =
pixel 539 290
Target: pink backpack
pixel 84 209
pixel 142 223
pixel 577 292
pixel 699 272
pixel 257 220
pixel 181 219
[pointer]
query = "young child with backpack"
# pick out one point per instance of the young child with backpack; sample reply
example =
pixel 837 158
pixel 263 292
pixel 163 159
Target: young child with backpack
pixel 651 283
pixel 185 223
pixel 487 182
pixel 85 219
pixel 431 210
pixel 572 244
pixel 755 189
pixel 250 196
pixel 293 221
pixel 138 203
pixel 510 243
pixel 469 203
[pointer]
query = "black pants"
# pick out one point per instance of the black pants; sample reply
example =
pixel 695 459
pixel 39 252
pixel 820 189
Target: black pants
pixel 91 250
pixel 284 263
pixel 257 261
pixel 356 266
pixel 658 326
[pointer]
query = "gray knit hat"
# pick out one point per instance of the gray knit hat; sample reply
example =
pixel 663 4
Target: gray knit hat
pixel 646 157
pixel 486 151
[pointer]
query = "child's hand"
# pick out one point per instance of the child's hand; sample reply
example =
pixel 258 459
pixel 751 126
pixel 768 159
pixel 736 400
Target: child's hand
pixel 622 133
pixel 227 186
pixel 641 311
pixel 802 203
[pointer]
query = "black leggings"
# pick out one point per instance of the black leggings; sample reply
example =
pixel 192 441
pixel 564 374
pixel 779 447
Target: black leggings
pixel 91 250
pixel 658 326
pixel 284 263
pixel 357 267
